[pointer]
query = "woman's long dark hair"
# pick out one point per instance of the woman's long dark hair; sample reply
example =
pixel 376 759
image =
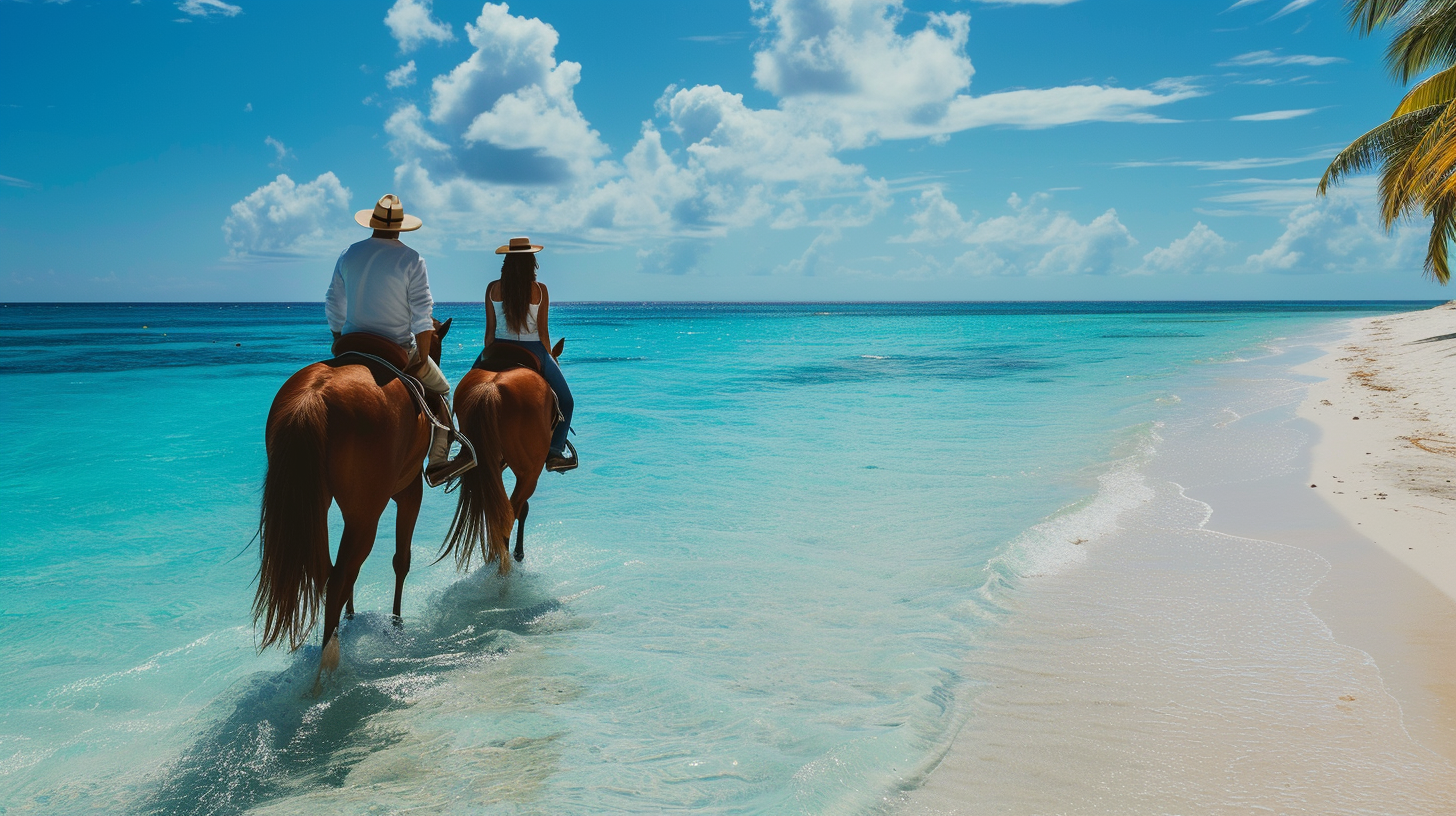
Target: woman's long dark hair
pixel 518 272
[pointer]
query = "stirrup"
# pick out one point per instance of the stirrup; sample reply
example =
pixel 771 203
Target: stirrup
pixel 448 470
pixel 561 464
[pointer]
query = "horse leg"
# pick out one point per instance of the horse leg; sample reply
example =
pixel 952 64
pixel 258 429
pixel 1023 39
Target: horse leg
pixel 354 547
pixel 407 510
pixel 349 607
pixel 526 478
pixel 521 531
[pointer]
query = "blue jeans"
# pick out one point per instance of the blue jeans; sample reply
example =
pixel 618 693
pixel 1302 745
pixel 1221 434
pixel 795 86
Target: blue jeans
pixel 552 372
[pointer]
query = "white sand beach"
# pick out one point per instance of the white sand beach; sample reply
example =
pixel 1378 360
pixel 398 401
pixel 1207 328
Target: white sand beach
pixel 1387 452
pixel 1391 474
pixel 1284 646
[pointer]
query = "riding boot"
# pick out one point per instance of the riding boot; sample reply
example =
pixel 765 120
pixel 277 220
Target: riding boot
pixel 441 468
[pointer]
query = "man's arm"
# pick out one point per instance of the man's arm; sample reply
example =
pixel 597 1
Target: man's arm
pixel 335 304
pixel 424 341
pixel 422 310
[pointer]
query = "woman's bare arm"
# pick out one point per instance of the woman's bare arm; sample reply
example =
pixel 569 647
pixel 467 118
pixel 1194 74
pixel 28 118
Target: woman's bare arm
pixel 542 315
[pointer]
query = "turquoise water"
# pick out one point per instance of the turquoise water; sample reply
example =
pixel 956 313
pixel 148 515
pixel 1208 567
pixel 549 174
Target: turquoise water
pixel 758 593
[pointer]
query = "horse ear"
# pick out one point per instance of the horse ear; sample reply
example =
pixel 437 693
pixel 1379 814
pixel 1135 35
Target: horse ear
pixel 556 350
pixel 444 328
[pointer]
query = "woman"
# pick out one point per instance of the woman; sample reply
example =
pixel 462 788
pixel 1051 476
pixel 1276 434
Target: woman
pixel 516 311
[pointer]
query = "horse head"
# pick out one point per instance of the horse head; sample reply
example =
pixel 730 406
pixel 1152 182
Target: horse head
pixel 441 329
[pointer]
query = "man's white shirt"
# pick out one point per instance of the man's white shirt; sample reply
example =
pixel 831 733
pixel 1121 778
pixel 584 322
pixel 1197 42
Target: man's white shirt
pixel 380 287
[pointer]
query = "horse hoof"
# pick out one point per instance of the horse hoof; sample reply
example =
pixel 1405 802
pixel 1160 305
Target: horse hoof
pixel 520 556
pixel 329 658
pixel 397 621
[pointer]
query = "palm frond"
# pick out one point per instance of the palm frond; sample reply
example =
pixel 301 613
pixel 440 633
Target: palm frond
pixel 1368 15
pixel 1443 232
pixel 1412 163
pixel 1380 144
pixel 1433 90
pixel 1438 167
pixel 1426 40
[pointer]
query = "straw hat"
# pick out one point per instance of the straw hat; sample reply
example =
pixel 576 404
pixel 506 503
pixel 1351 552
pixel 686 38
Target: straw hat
pixel 518 245
pixel 388 214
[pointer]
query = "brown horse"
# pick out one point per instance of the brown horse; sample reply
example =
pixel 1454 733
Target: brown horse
pixel 507 416
pixel 339 431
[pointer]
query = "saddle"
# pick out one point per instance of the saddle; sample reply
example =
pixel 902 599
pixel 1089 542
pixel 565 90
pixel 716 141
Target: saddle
pixel 373 345
pixel 363 348
pixel 388 359
pixel 504 356
pixel 499 357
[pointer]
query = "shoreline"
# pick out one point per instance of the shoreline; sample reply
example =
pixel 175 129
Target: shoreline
pixel 1378 503
pixel 1391 476
pixel 1376 621
pixel 1400 454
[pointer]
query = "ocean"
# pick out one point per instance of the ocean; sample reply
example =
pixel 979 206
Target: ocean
pixel 804 542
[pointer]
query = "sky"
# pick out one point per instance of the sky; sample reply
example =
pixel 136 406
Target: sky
pixel 741 150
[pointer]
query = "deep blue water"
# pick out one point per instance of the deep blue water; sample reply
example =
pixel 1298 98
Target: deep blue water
pixel 756 595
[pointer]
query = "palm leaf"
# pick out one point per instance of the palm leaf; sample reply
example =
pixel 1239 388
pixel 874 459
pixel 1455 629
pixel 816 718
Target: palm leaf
pixel 1368 15
pixel 1412 163
pixel 1443 232
pixel 1379 145
pixel 1431 91
pixel 1426 40
pixel 1437 166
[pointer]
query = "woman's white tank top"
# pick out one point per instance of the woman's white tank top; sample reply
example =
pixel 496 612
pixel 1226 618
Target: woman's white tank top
pixel 503 330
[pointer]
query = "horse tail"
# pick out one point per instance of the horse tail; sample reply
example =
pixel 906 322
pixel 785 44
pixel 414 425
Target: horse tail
pixel 293 527
pixel 483 514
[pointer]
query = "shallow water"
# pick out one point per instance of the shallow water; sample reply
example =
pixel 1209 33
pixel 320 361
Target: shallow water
pixel 765 590
pixel 1163 666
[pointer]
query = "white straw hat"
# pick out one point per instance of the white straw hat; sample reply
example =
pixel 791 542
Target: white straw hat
pixel 518 245
pixel 388 214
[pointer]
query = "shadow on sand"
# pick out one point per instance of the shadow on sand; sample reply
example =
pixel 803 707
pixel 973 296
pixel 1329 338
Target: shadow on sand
pixel 272 738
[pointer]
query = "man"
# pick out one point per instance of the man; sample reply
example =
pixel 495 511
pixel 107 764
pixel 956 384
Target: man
pixel 380 287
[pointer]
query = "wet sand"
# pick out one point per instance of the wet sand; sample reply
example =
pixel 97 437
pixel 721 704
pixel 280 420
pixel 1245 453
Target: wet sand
pixel 1391 476
pixel 1294 650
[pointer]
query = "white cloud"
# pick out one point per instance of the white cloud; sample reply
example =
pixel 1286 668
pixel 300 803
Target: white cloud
pixel 411 23
pixel 1032 240
pixel 1194 252
pixel 1232 164
pixel 677 257
pixel 845 65
pixel 1293 6
pixel 501 146
pixel 208 8
pixel 726 137
pixel 1274 116
pixel 12 181
pixel 1258 196
pixel 401 77
pixel 283 219
pixel 1275 58
pixel 504 147
pixel 1068 105
pixel 1342 234
pixel 279 148
pixel 1339 234
pixel 511 104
